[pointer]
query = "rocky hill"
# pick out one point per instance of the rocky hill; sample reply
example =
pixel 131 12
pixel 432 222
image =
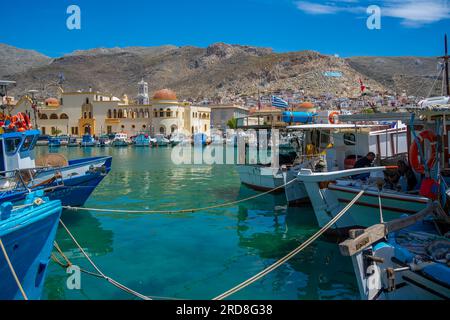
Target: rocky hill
pixel 218 71
pixel 14 60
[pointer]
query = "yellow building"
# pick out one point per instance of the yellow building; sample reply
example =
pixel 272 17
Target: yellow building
pixel 78 113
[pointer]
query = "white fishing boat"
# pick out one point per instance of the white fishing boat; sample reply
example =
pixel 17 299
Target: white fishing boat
pixel 120 140
pixel 404 259
pixel 161 140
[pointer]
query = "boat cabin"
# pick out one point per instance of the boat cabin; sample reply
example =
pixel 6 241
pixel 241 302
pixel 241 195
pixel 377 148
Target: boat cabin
pixel 16 151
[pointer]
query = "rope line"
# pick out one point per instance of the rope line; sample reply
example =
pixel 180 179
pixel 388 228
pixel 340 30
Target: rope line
pixel 100 273
pixel 291 254
pixel 182 210
pixel 13 272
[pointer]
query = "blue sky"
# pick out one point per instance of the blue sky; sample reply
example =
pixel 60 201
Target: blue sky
pixel 408 27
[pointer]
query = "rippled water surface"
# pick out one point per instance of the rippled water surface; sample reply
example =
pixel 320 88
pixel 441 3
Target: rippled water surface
pixel 196 255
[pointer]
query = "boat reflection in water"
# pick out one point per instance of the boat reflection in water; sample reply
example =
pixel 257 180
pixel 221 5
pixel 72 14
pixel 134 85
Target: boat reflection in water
pixel 319 272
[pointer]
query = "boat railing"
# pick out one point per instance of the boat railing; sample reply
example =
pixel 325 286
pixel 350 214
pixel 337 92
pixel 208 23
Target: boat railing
pixel 24 179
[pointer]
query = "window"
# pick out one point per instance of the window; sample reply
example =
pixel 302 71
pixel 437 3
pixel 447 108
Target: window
pixel 85 115
pixel 27 143
pixel 120 114
pixel 53 116
pixel 63 116
pixel 162 130
pixel 43 130
pixel 156 114
pixel 61 101
pixel 168 113
pixel 43 116
pixel 349 139
pixel 206 127
pixel 161 112
pixel 144 126
pixel 90 115
pixel 109 113
pixel 133 126
pixel 87 100
pixel 74 131
pixel 12 144
pixel 115 114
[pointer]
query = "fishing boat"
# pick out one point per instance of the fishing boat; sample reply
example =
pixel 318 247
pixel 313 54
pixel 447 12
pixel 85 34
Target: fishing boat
pixel 142 140
pixel 104 141
pixel 120 140
pixel 27 234
pixel 54 142
pixel 178 138
pixel 64 139
pixel 404 259
pixel 200 139
pixel 73 142
pixel 88 141
pixel 161 140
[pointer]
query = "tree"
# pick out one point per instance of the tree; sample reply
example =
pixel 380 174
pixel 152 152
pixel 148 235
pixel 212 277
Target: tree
pixel 232 123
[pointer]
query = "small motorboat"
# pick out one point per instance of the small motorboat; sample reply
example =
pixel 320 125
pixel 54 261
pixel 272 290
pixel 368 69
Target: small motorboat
pixel 120 140
pixel 88 141
pixel 27 233
pixel 161 140
pixel 73 142
pixel 178 138
pixel 104 141
pixel 142 140
pixel 54 142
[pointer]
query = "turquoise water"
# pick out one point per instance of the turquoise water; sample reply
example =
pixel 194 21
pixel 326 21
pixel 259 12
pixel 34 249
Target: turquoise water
pixel 195 255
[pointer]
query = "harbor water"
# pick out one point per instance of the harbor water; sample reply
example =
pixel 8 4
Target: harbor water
pixel 194 255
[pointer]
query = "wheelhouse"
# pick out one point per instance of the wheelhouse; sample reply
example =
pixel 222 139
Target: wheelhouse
pixel 16 150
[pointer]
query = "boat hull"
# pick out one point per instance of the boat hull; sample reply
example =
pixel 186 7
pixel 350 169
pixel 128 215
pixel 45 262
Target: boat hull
pixel 79 180
pixel 28 242
pixel 261 178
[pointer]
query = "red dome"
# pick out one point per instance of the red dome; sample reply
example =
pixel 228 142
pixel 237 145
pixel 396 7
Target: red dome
pixel 51 102
pixel 306 105
pixel 165 94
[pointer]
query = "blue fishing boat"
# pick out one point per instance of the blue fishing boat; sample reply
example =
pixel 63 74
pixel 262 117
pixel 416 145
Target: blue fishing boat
pixel 88 141
pixel 54 142
pixel 72 142
pixel 27 234
pixel 71 181
pixel 142 140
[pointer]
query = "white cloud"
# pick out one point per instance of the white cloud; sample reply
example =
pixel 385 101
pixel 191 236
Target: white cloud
pixel 412 13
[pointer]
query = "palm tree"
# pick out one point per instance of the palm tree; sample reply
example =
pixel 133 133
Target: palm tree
pixel 232 123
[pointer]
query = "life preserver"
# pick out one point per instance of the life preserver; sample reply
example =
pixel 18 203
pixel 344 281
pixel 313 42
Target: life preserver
pixel 331 117
pixel 414 151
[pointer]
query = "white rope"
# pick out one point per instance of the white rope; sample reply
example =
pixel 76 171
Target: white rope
pixel 13 271
pixel 182 210
pixel 291 254
pixel 110 280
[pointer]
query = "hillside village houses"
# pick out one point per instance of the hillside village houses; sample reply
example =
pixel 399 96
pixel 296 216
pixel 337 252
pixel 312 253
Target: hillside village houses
pixel 89 112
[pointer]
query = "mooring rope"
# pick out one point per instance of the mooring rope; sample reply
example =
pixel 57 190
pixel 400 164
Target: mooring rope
pixel 182 210
pixel 290 255
pixel 100 273
pixel 13 272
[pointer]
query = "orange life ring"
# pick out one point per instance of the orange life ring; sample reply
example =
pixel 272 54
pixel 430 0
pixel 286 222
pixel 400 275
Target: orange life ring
pixel 331 117
pixel 414 151
pixel 27 121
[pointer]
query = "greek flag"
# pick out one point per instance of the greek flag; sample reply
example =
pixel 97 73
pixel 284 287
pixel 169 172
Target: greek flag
pixel 279 103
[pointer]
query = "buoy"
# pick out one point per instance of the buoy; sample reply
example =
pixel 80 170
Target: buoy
pixel 414 151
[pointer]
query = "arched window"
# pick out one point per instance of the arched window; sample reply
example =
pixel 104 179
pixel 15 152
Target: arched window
pixel 173 128
pixel 162 130
pixel 155 113
pixel 115 114
pixel 192 129
pixel 168 113
pixel 90 115
pixel 109 113
pixel 144 126
pixel 43 116
pixel 120 113
pixel 161 112
pixel 63 116
pixel 53 116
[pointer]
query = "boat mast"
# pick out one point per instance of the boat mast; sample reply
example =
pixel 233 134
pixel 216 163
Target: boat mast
pixel 445 58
